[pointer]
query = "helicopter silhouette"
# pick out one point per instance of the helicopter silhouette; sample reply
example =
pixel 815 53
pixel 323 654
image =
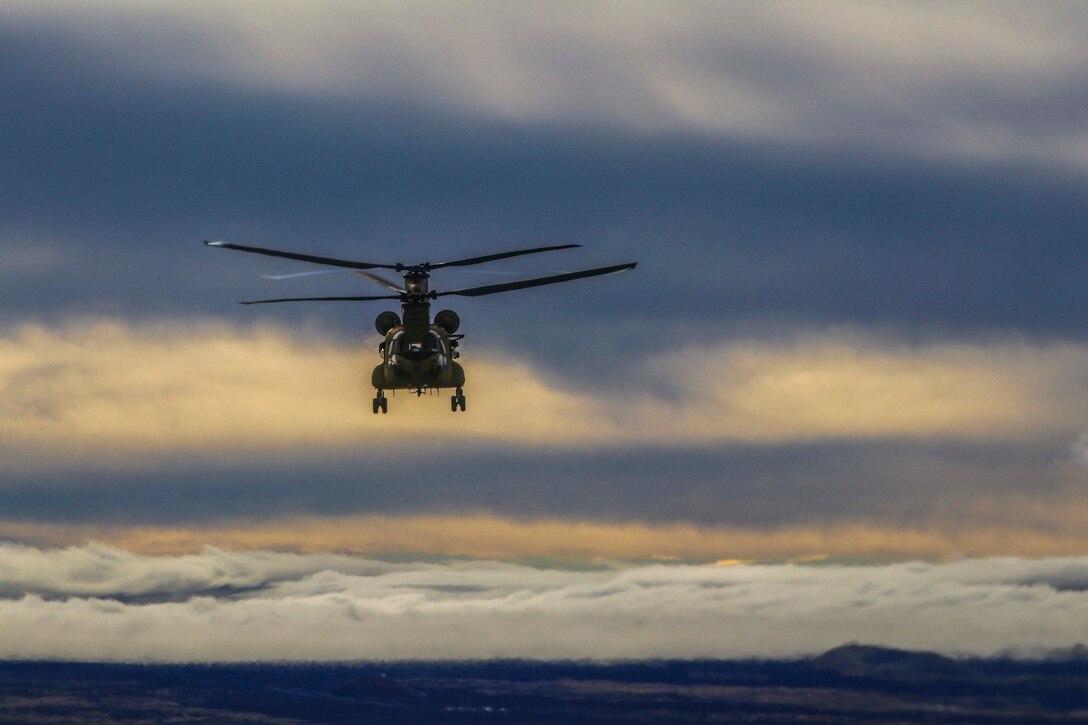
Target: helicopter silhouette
pixel 419 354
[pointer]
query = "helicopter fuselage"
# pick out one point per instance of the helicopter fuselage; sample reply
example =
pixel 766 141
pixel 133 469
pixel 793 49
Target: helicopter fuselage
pixel 418 354
pixel 419 363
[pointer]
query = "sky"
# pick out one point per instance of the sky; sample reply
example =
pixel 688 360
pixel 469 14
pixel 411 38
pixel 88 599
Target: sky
pixel 852 357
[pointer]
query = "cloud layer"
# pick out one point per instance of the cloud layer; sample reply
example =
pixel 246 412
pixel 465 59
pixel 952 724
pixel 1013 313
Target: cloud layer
pixel 975 79
pixel 1002 527
pixel 104 393
pixel 98 603
pixel 108 194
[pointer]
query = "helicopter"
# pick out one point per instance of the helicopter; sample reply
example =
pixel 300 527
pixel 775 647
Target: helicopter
pixel 418 353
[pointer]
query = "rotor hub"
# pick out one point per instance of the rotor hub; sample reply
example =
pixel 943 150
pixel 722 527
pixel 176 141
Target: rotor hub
pixel 417 283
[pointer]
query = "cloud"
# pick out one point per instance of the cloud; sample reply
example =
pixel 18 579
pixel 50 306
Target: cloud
pixel 1001 526
pixel 103 390
pixel 277 607
pixel 98 570
pixel 107 394
pixel 827 386
pixel 1079 449
pixel 729 233
pixel 995 80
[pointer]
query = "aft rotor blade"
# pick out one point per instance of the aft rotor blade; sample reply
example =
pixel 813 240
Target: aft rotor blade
pixel 278 277
pixel 382 281
pixel 323 299
pixel 500 255
pixel 301 257
pixel 538 281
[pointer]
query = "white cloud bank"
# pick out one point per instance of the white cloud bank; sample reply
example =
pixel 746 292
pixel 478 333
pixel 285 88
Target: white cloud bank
pixel 324 607
pixel 977 79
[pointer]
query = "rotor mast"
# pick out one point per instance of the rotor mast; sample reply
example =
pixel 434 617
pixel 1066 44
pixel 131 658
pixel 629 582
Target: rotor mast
pixel 415 303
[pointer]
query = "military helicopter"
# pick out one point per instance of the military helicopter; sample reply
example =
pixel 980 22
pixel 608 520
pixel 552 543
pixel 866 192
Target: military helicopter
pixel 419 354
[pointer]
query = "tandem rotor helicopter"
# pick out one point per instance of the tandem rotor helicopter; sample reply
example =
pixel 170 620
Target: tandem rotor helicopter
pixel 417 353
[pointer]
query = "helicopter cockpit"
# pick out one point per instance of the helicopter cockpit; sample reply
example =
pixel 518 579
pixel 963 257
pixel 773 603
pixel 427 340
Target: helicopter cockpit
pixel 432 344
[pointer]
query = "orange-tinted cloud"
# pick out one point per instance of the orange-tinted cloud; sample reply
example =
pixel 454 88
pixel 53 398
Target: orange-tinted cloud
pixel 1055 530
pixel 109 394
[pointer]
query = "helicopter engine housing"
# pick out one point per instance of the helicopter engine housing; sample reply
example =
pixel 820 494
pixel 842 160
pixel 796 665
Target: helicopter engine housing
pixel 448 321
pixel 386 321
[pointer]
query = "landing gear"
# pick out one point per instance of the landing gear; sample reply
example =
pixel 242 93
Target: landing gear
pixel 381 403
pixel 457 401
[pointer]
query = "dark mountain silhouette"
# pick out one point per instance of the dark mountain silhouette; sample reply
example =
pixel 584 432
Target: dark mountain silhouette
pixel 858 660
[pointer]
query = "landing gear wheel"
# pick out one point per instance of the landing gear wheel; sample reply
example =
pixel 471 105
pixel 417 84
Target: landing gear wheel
pixel 381 403
pixel 453 403
pixel 458 401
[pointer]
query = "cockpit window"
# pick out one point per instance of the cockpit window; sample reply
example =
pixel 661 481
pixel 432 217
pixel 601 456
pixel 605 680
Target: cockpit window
pixel 429 345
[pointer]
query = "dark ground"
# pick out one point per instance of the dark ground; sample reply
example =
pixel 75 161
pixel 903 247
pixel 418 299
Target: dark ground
pixel 847 684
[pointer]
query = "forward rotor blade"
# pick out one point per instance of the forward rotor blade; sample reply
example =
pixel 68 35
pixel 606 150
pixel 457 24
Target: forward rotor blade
pixel 382 281
pixel 301 257
pixel 500 255
pixel 323 299
pixel 537 282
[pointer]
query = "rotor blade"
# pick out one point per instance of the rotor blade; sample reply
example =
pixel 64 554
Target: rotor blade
pixel 323 299
pixel 525 283
pixel 382 281
pixel 497 272
pixel 307 274
pixel 301 257
pixel 500 255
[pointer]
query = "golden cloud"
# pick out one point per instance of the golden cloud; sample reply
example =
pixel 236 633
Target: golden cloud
pixel 105 393
pixel 493 537
pixel 840 386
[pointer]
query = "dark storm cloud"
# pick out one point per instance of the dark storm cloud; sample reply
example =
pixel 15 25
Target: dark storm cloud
pixel 736 485
pixel 119 178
